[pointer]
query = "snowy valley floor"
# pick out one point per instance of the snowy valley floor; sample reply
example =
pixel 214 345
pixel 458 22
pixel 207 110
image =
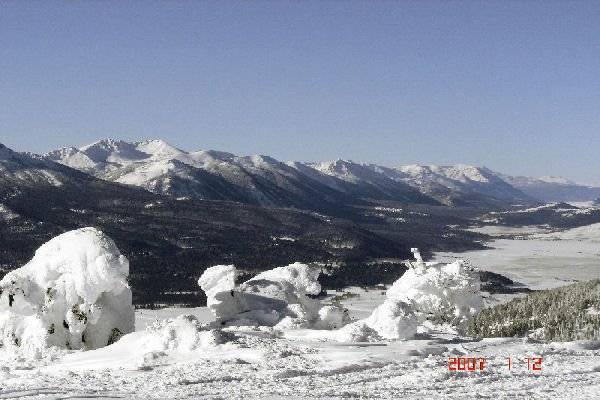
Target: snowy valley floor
pixel 255 363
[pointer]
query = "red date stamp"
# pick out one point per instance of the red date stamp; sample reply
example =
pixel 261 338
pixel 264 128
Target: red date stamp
pixel 466 363
pixel 472 364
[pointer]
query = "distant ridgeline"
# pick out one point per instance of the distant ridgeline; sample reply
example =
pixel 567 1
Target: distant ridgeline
pixel 161 168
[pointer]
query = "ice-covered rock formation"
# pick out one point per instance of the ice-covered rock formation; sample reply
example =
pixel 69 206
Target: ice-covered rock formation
pixel 72 294
pixel 428 295
pixel 278 297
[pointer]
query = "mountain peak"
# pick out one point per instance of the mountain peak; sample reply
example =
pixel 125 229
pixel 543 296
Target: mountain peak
pixel 3 147
pixel 459 172
pixel 5 152
pixel 158 148
pixel 107 143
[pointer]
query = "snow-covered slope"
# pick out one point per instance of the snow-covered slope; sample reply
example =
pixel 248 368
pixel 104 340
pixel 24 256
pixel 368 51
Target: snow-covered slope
pixel 368 180
pixel 451 185
pixel 183 357
pixel 161 168
pixel 24 169
pixel 460 184
pixel 552 188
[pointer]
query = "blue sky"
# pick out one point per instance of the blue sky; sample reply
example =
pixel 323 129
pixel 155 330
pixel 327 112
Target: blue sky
pixel 514 86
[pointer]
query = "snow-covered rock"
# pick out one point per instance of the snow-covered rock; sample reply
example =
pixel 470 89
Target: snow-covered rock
pixel 278 297
pixel 73 294
pixel 358 331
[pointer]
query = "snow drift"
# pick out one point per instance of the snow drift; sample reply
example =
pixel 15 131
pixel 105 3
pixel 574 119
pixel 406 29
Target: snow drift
pixel 182 334
pixel 428 295
pixel 278 297
pixel 73 294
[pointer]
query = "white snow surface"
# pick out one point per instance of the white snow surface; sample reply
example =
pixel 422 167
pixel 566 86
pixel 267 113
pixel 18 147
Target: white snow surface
pixel 72 294
pixel 6 213
pixel 257 363
pixel 446 175
pixel 583 233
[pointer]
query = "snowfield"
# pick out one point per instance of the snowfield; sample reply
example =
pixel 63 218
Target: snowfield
pixel 228 350
pixel 584 233
pixel 255 363
pixel 540 260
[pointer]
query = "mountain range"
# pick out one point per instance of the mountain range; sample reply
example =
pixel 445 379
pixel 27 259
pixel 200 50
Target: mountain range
pixel 262 180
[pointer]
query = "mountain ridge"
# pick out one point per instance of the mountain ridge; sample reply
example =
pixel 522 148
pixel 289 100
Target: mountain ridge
pixel 264 180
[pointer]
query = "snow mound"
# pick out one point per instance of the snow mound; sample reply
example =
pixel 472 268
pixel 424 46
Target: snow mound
pixel 428 296
pixel 358 331
pixel 183 333
pixel 393 320
pixel 73 294
pixel 278 297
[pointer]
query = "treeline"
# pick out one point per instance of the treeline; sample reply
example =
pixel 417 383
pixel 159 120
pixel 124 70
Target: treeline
pixel 568 313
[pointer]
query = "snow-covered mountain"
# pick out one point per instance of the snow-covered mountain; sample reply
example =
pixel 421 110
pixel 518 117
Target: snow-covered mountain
pixel 161 168
pixel 452 185
pixel 461 184
pixel 368 181
pixel 27 169
pixel 552 188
